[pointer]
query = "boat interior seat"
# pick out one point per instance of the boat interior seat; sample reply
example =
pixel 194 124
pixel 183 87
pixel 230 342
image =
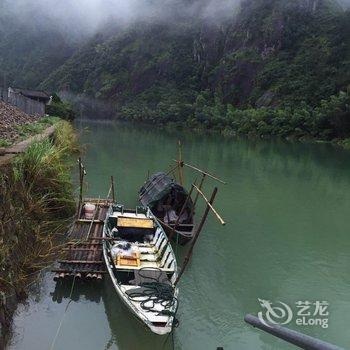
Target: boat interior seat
pixel 155 246
pixel 141 210
pixel 132 229
pixel 133 235
pixel 149 258
pixel 147 250
pixel 149 275
pixel 119 208
pixel 155 255
pixel 143 265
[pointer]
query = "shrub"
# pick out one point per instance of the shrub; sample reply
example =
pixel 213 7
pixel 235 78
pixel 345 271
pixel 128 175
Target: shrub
pixel 60 109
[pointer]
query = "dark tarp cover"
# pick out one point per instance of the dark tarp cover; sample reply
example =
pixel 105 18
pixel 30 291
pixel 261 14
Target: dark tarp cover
pixel 158 188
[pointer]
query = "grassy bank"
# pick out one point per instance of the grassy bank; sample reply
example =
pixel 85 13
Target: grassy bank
pixel 36 203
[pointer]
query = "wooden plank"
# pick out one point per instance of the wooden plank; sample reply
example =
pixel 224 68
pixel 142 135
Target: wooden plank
pixel 124 221
pixel 122 268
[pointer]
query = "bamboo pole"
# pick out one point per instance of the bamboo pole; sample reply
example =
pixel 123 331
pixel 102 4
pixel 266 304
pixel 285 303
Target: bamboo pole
pixel 197 195
pixel 82 173
pixel 82 221
pixel 180 162
pixel 79 249
pixel 181 212
pixel 203 172
pixel 80 186
pixel 200 187
pixel 198 231
pixel 210 206
pixel 77 270
pixel 97 262
pixel 113 189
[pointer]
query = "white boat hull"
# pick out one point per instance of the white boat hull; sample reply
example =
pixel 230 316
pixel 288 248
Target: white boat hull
pixel 158 323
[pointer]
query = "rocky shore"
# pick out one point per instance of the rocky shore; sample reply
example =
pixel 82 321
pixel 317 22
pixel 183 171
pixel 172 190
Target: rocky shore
pixel 10 118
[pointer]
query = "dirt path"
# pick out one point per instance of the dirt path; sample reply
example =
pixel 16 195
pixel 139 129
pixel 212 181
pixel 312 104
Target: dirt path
pixel 7 154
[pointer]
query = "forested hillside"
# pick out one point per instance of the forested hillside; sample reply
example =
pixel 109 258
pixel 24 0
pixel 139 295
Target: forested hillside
pixel 29 51
pixel 265 67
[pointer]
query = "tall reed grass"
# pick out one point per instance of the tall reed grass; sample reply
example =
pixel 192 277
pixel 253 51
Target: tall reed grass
pixel 36 204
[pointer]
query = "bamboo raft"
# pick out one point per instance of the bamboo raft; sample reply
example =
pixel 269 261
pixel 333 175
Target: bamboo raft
pixel 83 256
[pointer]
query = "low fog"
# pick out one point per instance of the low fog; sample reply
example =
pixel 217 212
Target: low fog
pixel 79 18
pixel 87 16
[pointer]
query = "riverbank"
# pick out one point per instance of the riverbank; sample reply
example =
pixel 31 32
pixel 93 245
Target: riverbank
pixel 36 204
pixel 326 122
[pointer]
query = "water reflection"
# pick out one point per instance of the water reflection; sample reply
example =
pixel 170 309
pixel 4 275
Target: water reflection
pixel 127 331
pixel 64 289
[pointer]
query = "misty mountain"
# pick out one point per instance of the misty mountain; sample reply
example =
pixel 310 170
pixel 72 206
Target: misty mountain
pixel 30 52
pixel 182 55
pixel 282 51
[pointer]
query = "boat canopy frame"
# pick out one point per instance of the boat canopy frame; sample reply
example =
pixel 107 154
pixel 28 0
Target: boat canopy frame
pixel 159 187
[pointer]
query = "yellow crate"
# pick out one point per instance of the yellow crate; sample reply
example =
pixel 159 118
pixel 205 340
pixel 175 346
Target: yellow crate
pixel 134 222
pixel 129 260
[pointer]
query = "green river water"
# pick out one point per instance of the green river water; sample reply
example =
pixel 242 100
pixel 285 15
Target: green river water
pixel 287 207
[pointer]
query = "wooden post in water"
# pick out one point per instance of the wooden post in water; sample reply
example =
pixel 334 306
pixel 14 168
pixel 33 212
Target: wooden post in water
pixel 97 208
pixel 181 212
pixel 197 195
pixel 81 177
pixel 113 189
pixel 200 187
pixel 222 222
pixel 198 231
pixel 180 162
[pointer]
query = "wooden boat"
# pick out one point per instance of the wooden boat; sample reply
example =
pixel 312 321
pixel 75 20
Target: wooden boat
pixel 142 266
pixel 166 199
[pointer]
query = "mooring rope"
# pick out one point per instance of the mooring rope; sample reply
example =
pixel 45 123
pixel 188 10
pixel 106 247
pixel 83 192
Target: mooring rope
pixel 64 314
pixel 156 292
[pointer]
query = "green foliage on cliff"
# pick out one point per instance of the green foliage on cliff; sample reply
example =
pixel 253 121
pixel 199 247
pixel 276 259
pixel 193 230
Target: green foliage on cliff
pixel 329 120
